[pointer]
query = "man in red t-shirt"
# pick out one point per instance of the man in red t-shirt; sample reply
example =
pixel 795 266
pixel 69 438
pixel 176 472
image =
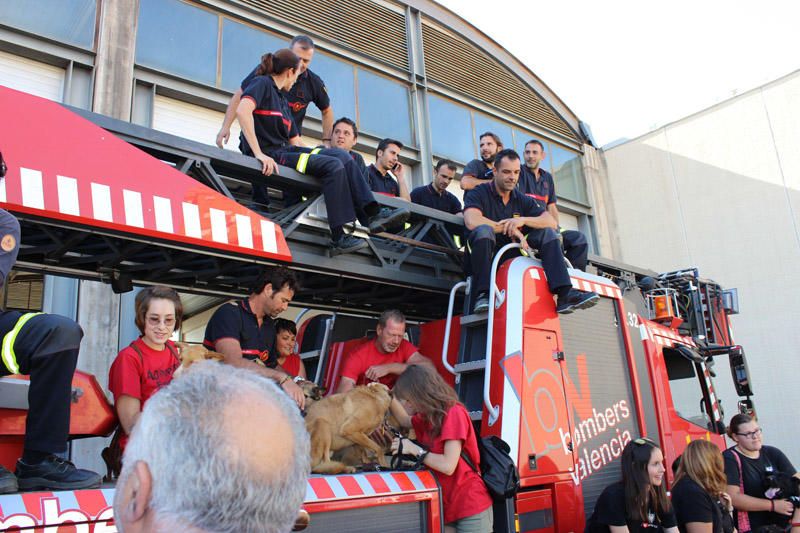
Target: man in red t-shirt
pixel 383 359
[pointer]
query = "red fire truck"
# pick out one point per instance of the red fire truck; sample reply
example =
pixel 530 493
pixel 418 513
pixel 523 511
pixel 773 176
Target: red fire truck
pixel 102 199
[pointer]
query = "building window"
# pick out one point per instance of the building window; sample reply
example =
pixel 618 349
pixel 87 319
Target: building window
pixel 484 124
pixel 178 38
pixel 339 82
pixel 567 168
pixel 68 21
pixel 451 130
pixel 242 48
pixel 383 107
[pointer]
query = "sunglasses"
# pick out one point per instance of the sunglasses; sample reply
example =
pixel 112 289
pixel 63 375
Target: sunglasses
pixel 641 441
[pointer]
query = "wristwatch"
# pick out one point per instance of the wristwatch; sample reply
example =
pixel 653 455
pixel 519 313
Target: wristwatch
pixel 298 379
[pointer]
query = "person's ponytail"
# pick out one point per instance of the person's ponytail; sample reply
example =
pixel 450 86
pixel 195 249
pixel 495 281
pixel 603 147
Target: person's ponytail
pixel 265 67
pixel 277 63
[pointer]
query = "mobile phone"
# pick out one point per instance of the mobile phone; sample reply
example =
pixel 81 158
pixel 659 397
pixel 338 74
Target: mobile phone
pixel 397 166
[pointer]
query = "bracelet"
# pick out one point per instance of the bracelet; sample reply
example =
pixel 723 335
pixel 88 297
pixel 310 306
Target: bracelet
pixel 281 382
pixel 772 504
pixel 422 455
pixel 326 139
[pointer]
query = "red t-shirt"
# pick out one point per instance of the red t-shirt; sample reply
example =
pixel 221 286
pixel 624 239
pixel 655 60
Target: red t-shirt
pixel 292 364
pixel 367 355
pixel 141 378
pixel 463 491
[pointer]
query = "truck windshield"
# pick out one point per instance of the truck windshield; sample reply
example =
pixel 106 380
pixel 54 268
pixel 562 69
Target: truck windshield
pixel 687 392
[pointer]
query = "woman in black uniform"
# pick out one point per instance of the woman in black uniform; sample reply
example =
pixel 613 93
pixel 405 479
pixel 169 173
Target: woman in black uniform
pixel 639 502
pixel 269 135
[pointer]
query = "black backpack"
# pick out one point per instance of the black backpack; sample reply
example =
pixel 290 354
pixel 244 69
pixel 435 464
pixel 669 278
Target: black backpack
pixel 498 470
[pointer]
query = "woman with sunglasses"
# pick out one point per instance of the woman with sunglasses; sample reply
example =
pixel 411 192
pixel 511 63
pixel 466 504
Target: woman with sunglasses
pixel 747 465
pixel 148 363
pixel 698 494
pixel 639 502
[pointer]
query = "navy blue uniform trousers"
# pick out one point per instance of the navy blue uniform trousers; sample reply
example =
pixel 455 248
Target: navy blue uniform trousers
pixel 346 192
pixel 484 243
pixel 46 349
pixel 576 248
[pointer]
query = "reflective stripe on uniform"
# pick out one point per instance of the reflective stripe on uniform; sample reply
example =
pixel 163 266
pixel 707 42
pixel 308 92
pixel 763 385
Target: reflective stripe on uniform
pixel 9 357
pixel 302 161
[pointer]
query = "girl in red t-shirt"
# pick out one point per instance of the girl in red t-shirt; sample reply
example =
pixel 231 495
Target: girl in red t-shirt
pixel 149 362
pixel 443 427
pixel 288 359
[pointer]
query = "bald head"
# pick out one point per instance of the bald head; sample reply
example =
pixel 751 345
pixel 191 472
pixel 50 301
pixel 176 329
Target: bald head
pixel 223 449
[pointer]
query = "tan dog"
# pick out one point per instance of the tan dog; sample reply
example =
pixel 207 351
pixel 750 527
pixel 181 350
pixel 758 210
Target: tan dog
pixel 192 353
pixel 342 420
pixel 312 391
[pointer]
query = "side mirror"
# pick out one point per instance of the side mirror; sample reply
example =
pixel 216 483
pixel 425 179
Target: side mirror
pixel 740 371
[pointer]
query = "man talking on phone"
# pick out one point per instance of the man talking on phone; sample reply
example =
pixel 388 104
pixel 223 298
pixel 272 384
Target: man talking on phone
pixel 386 175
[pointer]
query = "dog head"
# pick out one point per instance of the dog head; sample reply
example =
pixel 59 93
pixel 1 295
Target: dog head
pixel 312 391
pixel 192 353
pixel 782 486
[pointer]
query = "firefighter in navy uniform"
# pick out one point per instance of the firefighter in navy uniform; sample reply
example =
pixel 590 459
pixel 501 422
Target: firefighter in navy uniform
pixel 45 347
pixel 497 213
pixel 538 184
pixel 269 135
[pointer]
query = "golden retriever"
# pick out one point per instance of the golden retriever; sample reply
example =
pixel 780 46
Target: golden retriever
pixel 341 420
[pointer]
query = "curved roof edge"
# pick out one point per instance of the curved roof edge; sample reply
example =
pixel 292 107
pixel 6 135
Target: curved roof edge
pixel 455 22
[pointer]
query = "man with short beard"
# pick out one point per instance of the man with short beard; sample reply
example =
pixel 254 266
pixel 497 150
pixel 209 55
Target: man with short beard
pixel 481 170
pixel 386 175
pixel 496 213
pixel 537 183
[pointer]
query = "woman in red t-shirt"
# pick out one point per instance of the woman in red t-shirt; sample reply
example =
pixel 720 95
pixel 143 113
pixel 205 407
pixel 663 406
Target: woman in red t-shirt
pixel 288 359
pixel 149 362
pixel 443 427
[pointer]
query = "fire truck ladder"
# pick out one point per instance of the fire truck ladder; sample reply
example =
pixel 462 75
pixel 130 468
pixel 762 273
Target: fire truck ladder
pixel 472 371
pixel 412 269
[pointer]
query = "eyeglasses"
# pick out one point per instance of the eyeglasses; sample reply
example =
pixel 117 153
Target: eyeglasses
pixel 641 441
pixel 155 321
pixel 751 434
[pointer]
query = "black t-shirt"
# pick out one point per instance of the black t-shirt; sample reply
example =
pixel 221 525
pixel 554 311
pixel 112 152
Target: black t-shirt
pixel 427 196
pixel 382 184
pixel 543 190
pixel 479 169
pixel 271 117
pixel 308 88
pixel 610 511
pixel 235 320
pixel 770 460
pixel 693 504
pixel 362 166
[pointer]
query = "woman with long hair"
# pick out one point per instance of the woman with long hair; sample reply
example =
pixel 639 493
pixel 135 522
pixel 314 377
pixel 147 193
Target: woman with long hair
pixel 443 428
pixel 639 502
pixel 698 495
pixel 269 134
pixel 747 465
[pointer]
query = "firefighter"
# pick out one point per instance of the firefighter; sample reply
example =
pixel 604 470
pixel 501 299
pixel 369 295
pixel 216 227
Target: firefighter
pixel 244 331
pixel 45 347
pixel 269 135
pixel 386 175
pixel 538 183
pixel 345 136
pixel 435 195
pixel 481 170
pixel 308 88
pixel 495 214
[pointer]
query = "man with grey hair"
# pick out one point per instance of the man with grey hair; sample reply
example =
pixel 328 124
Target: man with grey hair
pixel 198 462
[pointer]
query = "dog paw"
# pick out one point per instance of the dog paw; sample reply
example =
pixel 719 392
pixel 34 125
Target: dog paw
pixel 349 470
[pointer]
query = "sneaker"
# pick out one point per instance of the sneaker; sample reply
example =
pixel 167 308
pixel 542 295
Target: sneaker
pixel 55 473
pixel 387 217
pixel 576 299
pixel 481 303
pixel 347 244
pixel 8 481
